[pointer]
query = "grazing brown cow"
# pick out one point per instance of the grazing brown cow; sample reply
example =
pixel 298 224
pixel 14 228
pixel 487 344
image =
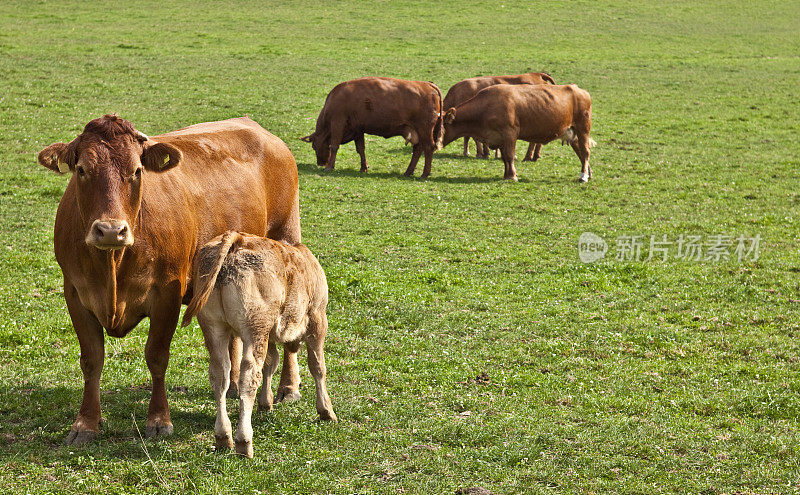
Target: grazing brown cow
pixel 466 89
pixel 133 216
pixel 264 292
pixel 501 114
pixel 380 106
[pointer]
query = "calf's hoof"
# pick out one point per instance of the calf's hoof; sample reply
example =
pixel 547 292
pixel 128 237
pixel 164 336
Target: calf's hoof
pixel 511 177
pixel 223 443
pixel 364 170
pixel 244 449
pixel 159 429
pixel 583 178
pixel 81 437
pixel 287 395
pixel 328 416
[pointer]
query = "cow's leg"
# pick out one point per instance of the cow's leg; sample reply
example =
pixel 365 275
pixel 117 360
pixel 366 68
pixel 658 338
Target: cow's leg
pixel 581 148
pixel 337 134
pixel 466 146
pixel 416 151
pixel 428 160
pixel 360 149
pixel 254 351
pixel 217 337
pixel 315 344
pixel 163 321
pixel 481 151
pixel 534 152
pixel 497 153
pixel 289 386
pixel 265 397
pixel 90 337
pixel 508 151
pixel 235 350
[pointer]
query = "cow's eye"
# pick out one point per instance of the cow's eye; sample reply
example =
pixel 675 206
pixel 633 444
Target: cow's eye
pixel 81 171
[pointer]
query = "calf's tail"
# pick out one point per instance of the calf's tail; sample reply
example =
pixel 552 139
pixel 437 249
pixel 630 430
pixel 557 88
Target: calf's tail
pixel 207 280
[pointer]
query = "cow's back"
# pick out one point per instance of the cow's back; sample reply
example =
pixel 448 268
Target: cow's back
pixel 234 175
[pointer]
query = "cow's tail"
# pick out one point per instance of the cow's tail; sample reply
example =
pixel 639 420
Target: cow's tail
pixel 438 128
pixel 547 77
pixel 207 280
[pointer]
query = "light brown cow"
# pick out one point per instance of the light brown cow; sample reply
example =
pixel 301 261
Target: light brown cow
pixel 264 292
pixel 379 106
pixel 501 114
pixel 135 212
pixel 466 89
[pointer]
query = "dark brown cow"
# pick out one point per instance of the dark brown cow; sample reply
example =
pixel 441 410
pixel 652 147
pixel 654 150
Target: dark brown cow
pixel 380 106
pixel 501 114
pixel 466 89
pixel 133 216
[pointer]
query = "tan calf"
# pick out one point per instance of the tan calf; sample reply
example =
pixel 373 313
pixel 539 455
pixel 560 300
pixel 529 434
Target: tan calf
pixel 264 292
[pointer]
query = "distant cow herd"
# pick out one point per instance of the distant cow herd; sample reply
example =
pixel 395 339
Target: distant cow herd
pixel 496 111
pixel 209 216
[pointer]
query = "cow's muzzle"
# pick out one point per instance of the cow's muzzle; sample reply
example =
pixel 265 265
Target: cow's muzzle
pixel 110 234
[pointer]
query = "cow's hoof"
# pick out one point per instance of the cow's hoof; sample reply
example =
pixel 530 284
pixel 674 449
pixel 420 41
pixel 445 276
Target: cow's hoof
pixel 287 395
pixel 223 443
pixel 80 437
pixel 244 449
pixel 328 168
pixel 158 430
pixel 511 177
pixel 425 176
pixel 583 178
pixel 328 416
pixel 364 170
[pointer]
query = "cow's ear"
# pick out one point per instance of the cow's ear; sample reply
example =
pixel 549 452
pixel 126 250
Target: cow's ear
pixel 58 157
pixel 158 157
pixel 307 138
pixel 449 116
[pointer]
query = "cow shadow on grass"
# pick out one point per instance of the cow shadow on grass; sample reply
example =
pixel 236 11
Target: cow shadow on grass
pixel 313 169
pixel 37 420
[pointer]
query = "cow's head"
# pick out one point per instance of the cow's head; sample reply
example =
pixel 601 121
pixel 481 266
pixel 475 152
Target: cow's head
pixel 109 161
pixel 322 146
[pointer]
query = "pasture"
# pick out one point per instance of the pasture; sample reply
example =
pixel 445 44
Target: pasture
pixel 468 344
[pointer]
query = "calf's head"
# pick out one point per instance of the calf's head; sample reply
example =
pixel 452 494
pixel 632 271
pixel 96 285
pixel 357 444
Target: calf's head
pixel 322 146
pixel 109 161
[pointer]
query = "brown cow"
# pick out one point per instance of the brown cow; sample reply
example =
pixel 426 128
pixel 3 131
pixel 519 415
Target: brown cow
pixel 133 216
pixel 501 114
pixel 380 106
pixel 264 292
pixel 466 89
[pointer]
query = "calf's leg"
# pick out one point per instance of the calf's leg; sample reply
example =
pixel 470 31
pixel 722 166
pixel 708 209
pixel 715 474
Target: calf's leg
pixel 254 350
pixel 217 338
pixel 315 344
pixel 289 386
pixel 265 398
pixel 235 350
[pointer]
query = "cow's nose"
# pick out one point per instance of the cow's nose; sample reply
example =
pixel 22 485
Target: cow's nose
pixel 110 234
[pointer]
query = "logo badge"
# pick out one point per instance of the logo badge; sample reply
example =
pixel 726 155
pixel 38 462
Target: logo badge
pixel 591 247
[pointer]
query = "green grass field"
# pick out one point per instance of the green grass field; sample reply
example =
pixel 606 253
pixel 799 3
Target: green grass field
pixel 469 346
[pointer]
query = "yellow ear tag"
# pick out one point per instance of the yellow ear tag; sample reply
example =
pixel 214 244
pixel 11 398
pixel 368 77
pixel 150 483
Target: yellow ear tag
pixel 63 167
pixel 166 160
